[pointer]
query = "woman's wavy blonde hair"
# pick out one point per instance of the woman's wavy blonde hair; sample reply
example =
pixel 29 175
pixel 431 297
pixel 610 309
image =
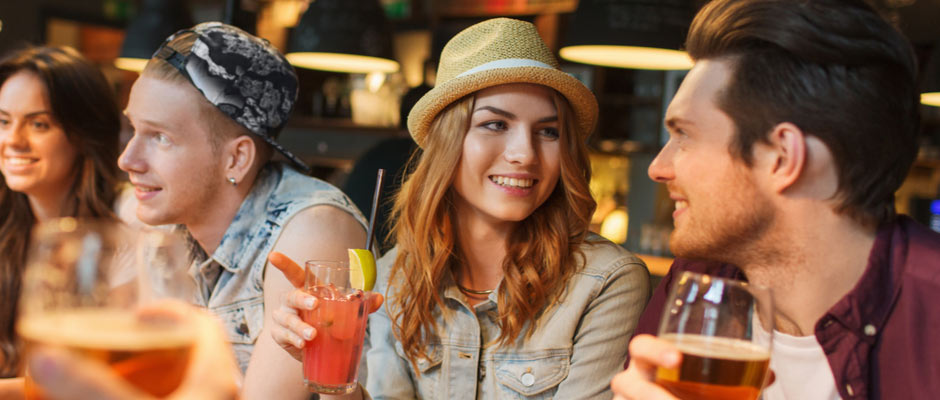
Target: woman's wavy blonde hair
pixel 541 253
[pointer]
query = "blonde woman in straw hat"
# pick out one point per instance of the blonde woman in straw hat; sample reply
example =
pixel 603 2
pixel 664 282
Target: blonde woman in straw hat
pixel 496 289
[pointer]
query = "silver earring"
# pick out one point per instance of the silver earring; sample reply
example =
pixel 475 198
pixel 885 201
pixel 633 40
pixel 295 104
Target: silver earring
pixel 232 181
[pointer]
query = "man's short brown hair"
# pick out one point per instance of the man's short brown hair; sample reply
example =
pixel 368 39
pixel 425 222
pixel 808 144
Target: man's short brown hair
pixel 834 68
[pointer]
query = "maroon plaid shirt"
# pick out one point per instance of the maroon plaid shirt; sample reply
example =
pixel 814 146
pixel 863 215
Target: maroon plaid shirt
pixel 883 338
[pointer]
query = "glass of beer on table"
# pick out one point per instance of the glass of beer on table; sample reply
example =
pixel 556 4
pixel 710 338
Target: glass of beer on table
pixel 95 287
pixel 331 359
pixel 723 329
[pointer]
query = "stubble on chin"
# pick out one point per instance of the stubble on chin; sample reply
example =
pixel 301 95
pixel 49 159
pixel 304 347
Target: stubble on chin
pixel 736 235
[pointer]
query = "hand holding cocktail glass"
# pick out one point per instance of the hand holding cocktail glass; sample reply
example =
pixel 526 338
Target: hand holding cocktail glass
pixel 294 333
pixel 714 343
pixel 100 293
pixel 323 323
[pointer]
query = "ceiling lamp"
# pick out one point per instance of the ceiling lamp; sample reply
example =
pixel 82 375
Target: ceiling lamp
pixel 156 20
pixel 630 34
pixel 930 99
pixel 343 36
pixel 930 76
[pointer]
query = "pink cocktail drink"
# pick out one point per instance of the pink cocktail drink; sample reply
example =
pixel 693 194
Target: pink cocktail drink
pixel 331 359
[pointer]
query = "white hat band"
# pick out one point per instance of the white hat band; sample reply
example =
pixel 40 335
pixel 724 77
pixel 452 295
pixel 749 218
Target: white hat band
pixel 505 63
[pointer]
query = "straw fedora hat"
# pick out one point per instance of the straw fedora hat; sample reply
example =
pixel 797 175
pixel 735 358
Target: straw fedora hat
pixel 495 52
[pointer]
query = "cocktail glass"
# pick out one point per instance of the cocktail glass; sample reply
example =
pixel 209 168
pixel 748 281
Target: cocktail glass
pixel 331 359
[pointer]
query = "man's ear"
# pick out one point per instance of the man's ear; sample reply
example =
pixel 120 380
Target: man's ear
pixel 240 154
pixel 783 157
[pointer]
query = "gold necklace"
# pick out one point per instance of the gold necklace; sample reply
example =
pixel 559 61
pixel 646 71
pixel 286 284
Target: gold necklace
pixel 472 291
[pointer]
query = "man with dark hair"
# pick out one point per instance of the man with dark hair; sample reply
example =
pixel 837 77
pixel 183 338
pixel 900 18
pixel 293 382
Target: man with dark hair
pixel 787 142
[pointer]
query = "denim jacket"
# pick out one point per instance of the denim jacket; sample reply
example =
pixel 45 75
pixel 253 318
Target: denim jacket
pixel 577 345
pixel 230 282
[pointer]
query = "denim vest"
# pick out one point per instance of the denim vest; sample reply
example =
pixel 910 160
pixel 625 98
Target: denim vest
pixel 230 283
pixel 575 348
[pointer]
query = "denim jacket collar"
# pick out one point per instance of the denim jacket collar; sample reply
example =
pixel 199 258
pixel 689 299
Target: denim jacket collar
pixel 229 253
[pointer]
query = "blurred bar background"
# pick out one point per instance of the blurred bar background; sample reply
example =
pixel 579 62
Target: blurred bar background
pixel 356 59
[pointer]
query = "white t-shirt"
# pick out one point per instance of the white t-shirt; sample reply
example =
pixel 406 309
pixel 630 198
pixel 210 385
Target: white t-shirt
pixel 801 369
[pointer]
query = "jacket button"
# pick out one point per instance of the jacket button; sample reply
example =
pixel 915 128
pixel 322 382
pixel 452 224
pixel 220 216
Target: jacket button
pixel 848 389
pixel 528 379
pixel 870 330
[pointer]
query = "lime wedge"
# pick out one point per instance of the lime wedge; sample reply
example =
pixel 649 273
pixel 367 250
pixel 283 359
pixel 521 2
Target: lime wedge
pixel 361 269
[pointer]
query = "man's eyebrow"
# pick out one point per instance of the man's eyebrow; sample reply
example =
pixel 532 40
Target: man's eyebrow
pixel 157 124
pixel 674 122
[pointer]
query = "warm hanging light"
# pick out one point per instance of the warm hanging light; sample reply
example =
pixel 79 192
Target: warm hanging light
pixel 929 76
pixel 343 36
pixel 630 34
pixel 930 99
pixel 614 227
pixel 156 20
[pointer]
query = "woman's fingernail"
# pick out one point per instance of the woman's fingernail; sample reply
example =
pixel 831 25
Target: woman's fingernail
pixel 309 302
pixel 44 367
pixel 308 333
pixel 671 357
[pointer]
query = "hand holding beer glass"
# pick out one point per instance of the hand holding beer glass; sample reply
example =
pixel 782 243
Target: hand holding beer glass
pixel 723 329
pixel 92 288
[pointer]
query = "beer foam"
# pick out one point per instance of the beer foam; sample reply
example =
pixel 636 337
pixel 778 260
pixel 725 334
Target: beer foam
pixel 102 329
pixel 717 347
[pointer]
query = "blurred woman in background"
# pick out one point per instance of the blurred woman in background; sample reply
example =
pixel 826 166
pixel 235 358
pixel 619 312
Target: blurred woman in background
pixel 59 143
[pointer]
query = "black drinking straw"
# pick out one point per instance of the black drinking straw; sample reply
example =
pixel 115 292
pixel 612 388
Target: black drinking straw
pixel 375 205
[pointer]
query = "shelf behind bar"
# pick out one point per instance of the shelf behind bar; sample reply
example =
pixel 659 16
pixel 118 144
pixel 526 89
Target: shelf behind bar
pixel 656 264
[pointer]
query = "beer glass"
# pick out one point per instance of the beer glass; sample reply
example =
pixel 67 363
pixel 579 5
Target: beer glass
pixel 91 287
pixel 331 359
pixel 723 329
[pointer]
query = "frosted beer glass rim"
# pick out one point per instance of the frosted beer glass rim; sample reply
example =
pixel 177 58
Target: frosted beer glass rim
pixel 734 282
pixel 125 266
pixel 762 299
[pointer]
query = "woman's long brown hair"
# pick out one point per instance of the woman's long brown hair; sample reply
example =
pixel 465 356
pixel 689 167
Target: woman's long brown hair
pixel 83 104
pixel 541 253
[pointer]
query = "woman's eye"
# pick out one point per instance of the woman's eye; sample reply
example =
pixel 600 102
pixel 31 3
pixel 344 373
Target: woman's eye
pixel 40 125
pixel 551 133
pixel 495 125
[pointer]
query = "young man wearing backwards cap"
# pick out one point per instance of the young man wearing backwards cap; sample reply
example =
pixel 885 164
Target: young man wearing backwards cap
pixel 206 112
pixel 787 142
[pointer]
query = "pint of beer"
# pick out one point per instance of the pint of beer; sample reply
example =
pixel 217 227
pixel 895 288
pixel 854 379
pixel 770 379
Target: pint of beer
pixel 152 356
pixel 86 290
pixel 713 323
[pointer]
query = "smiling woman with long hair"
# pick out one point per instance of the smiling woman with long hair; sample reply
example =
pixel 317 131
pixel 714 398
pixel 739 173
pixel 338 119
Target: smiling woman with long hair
pixel 495 288
pixel 59 127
